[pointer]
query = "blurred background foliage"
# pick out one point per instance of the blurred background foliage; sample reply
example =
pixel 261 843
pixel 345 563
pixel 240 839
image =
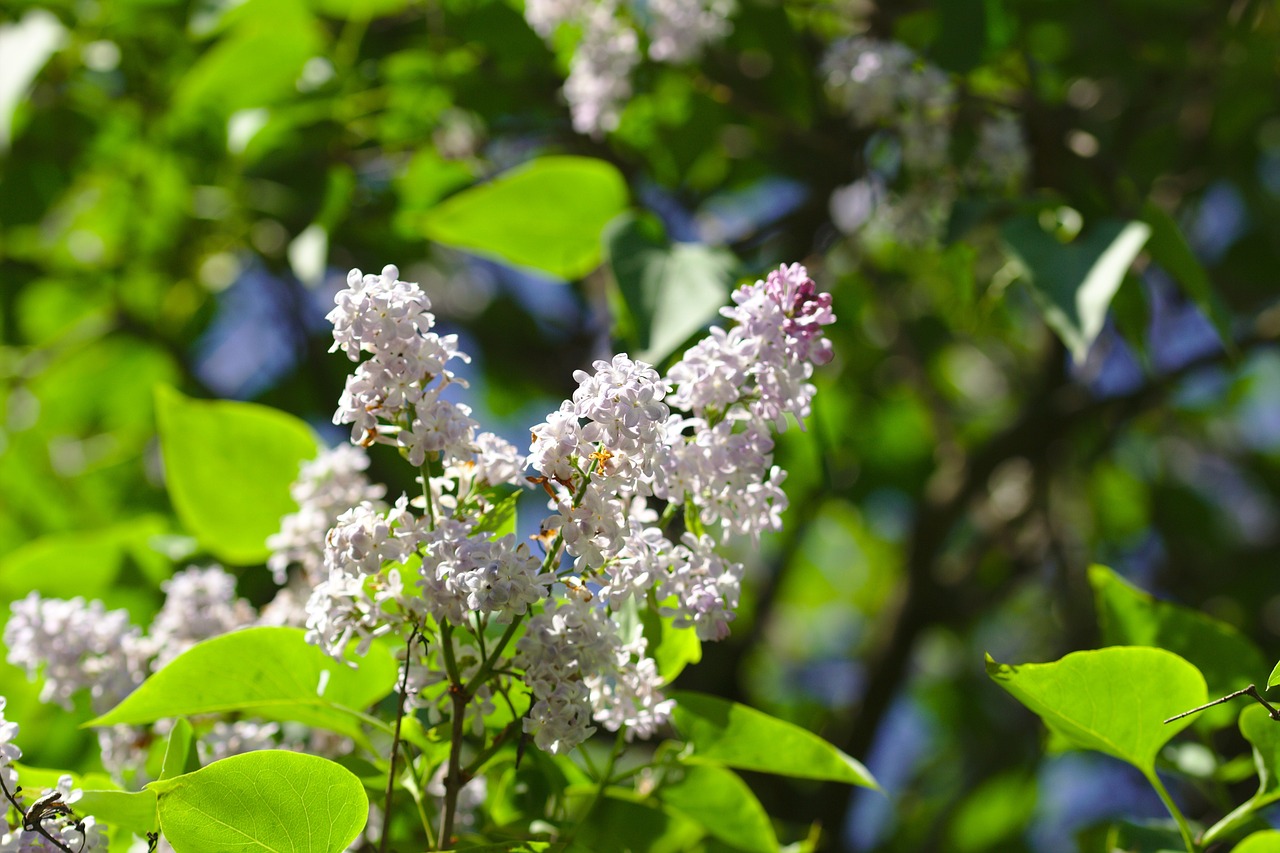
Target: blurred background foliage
pixel 184 183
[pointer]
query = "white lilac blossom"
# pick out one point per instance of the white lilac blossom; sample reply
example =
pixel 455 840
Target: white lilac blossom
pixel 75 832
pixel 76 645
pixel 599 80
pixel 395 396
pixel 678 29
pixel 199 604
pixel 326 487
pixel 608 46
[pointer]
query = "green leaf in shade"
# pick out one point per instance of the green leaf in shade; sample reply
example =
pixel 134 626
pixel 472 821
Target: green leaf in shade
pixel 134 811
pixel 734 735
pixel 268 671
pixel 671 648
pixel 671 291
pixel 1112 700
pixel 718 799
pixel 229 467
pixel 1169 248
pixel 180 754
pixel 1130 617
pixel 1263 734
pixel 1074 283
pixel 269 800
pixel 1267 841
pixel 548 214
pixel 623 825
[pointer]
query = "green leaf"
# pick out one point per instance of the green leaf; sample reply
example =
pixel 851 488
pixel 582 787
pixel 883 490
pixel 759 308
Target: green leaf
pixel 270 800
pixel 1267 841
pixel 623 825
pixel 501 520
pixel 269 671
pixel 671 291
pixel 180 754
pixel 1112 700
pixel 134 811
pixel 1169 248
pixel 734 735
pixel 671 648
pixel 548 214
pixel 718 799
pixel 1274 678
pixel 1073 283
pixel 256 62
pixel 229 467
pixel 1130 617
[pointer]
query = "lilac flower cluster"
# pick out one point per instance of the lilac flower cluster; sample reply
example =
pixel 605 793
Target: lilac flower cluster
pixel 884 86
pixel 608 47
pixel 72 831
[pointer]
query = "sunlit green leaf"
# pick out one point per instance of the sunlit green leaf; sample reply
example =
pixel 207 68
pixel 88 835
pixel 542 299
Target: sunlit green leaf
pixel 269 801
pixel 1267 841
pixel 229 467
pixel 180 755
pixel 1130 617
pixel 134 811
pixel 548 214
pixel 671 648
pixel 267 671
pixel 734 735
pixel 1112 700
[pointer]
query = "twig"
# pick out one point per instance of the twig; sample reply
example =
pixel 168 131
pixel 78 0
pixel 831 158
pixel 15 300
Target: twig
pixel 1251 690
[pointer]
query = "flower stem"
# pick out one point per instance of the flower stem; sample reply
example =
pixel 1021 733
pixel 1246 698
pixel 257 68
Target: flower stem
pixel 395 741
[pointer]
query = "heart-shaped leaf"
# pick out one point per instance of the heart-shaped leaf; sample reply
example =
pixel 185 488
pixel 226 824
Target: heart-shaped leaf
pixel 269 801
pixel 1112 700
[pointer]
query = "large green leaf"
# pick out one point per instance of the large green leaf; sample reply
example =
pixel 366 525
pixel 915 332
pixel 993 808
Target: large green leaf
pixel 1074 283
pixel 548 214
pixel 270 800
pixel 718 799
pixel 671 648
pixel 229 467
pixel 618 824
pixel 1112 700
pixel 1128 616
pixel 268 671
pixel 671 291
pixel 734 735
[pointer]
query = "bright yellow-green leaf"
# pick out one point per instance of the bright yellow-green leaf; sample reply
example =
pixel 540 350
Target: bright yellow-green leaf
pixel 229 467
pixel 269 801
pixel 1112 700
pixel 548 214
pixel 268 671
pixel 718 799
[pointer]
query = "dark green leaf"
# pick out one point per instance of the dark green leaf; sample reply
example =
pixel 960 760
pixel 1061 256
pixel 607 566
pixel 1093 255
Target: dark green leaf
pixel 1074 283
pixel 1169 248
